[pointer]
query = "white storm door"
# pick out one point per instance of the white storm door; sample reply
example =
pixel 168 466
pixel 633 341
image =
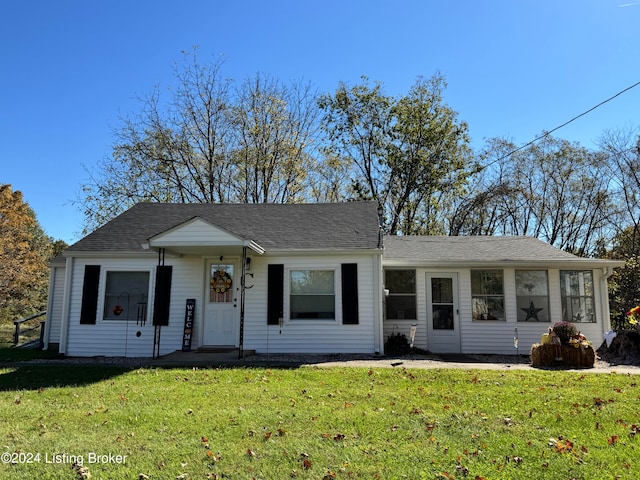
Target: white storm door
pixel 220 323
pixel 443 320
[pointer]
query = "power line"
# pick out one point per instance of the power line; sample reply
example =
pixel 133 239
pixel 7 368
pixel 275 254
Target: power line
pixel 546 134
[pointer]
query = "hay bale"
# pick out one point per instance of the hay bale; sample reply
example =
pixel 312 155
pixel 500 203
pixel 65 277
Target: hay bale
pixel 546 356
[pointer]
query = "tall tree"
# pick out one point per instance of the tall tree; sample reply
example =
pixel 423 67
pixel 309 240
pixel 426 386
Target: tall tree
pixel 410 154
pixel 274 128
pixel 357 124
pixel 553 190
pixel 175 151
pixel 24 251
pixel 429 159
pixel 622 150
pixel 623 284
pixel 211 142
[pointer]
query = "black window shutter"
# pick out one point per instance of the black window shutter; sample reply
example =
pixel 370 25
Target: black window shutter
pixel 162 295
pixel 90 295
pixel 275 294
pixel 350 293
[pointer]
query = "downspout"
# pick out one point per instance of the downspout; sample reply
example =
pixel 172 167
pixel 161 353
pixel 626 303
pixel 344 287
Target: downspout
pixel 377 311
pixel 66 306
pixel 604 299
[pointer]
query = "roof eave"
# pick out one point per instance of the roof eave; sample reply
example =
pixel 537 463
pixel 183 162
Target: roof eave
pixel 547 263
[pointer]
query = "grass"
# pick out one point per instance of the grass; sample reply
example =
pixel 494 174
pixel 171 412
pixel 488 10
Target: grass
pixel 315 423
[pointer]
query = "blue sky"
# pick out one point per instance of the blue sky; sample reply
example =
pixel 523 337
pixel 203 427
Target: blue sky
pixel 514 68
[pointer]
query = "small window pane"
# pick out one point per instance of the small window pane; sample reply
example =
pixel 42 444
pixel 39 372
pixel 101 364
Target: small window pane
pixel 312 282
pixel 442 317
pixel 401 307
pixel 400 281
pixel 442 290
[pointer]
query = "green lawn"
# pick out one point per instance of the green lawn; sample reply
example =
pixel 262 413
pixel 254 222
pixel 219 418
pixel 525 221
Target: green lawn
pixel 311 422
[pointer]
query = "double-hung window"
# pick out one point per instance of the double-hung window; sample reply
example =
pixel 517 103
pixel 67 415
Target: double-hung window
pixel 577 296
pixel 487 292
pixel 532 295
pixel 312 294
pixel 401 302
pixel 125 295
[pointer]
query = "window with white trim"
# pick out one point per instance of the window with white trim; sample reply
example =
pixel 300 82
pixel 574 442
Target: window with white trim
pixel 487 293
pixel 125 295
pixel 401 302
pixel 312 294
pixel 532 295
pixel 577 296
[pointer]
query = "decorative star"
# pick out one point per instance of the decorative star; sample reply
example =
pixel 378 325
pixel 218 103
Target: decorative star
pixel 532 312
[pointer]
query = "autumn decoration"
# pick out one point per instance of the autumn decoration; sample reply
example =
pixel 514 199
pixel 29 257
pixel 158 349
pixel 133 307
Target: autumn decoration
pixel 633 316
pixel 220 281
pixel 563 345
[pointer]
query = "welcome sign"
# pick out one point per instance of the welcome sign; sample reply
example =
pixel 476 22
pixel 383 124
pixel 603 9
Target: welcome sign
pixel 188 324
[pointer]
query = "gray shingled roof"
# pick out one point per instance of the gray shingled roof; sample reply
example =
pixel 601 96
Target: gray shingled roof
pixel 351 225
pixel 437 250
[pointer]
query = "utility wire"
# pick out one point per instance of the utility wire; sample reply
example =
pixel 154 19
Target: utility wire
pixel 546 134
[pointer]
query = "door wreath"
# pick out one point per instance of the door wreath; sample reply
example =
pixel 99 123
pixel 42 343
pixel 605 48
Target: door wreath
pixel 220 281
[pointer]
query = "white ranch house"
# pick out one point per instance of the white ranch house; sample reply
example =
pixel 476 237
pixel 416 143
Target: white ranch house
pixel 311 278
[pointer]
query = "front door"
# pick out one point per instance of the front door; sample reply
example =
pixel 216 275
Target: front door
pixel 443 323
pixel 220 325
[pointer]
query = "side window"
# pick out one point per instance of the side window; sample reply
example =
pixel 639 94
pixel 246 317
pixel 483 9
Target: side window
pixel 401 302
pixel 532 295
pixel 577 296
pixel 487 292
pixel 125 296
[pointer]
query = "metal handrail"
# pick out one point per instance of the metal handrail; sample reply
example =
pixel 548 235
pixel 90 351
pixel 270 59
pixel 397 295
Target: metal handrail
pixel 18 324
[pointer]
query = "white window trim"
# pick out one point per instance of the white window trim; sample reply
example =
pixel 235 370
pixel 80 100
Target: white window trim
pixel 592 296
pixel 103 288
pixel 337 294
pixel 488 295
pixel 414 295
pixel 547 306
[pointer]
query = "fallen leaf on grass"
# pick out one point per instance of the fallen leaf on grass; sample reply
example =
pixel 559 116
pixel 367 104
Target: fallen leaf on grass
pixel 563 446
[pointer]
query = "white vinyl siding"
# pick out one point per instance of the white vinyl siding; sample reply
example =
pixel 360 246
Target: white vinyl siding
pixel 197 233
pixel 111 338
pixel 485 337
pixel 311 336
pixel 54 308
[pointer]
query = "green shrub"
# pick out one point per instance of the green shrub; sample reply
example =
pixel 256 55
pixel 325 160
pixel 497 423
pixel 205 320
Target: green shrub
pixel 397 344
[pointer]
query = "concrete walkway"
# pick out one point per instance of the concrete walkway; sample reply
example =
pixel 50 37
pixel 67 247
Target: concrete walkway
pixel 231 358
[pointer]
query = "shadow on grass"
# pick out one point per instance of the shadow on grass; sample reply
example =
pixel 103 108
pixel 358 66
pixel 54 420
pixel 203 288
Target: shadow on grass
pixel 36 377
pixel 9 353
